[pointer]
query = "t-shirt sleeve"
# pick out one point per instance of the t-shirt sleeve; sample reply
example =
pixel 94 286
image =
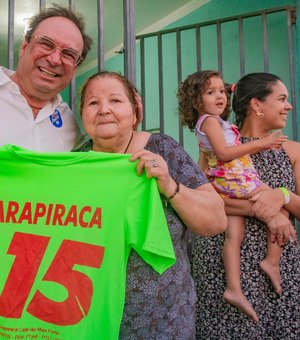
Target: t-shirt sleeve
pixel 147 231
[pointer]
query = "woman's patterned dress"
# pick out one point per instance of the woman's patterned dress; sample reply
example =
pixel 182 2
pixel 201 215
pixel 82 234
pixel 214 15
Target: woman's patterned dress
pixel 162 307
pixel 279 316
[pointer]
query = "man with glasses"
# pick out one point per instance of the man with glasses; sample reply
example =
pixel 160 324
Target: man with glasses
pixel 32 112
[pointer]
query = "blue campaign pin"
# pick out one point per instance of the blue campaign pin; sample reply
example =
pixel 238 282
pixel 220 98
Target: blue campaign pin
pixel 55 119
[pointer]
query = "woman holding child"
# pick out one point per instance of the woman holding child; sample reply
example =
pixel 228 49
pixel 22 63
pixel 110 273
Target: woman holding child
pixel 260 104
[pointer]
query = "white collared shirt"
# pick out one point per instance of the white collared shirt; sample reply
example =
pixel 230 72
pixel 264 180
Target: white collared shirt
pixel 54 130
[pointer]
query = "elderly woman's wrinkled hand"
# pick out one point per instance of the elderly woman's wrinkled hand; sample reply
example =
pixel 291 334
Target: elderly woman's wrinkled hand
pixel 155 166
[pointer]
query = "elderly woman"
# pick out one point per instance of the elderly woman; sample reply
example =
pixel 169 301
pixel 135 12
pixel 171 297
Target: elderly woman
pixel 156 307
pixel 260 103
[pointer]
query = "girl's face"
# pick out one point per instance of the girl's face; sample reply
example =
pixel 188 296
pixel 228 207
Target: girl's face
pixel 214 98
pixel 107 111
pixel 276 107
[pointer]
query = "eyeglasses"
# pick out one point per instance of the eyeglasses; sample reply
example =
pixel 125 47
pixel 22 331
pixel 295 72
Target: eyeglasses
pixel 48 46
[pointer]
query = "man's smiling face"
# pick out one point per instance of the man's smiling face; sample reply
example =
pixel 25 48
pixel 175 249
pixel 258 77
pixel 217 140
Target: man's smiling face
pixel 43 76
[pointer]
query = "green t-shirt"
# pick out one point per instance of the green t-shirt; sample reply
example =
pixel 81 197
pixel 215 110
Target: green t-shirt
pixel 67 224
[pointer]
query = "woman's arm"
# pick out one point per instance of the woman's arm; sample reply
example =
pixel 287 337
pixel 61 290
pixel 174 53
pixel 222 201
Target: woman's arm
pixel 281 229
pixel 200 209
pixel 293 150
pixel 238 207
pixel 269 203
pixel 202 162
pixel 211 127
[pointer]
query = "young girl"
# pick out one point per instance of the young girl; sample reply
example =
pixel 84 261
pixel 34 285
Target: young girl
pixel 203 100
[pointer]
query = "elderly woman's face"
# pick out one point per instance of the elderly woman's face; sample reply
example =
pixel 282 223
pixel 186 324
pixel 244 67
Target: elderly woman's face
pixel 276 107
pixel 107 111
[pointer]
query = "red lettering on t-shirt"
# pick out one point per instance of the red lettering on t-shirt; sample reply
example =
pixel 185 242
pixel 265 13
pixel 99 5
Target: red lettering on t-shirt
pixel 72 216
pixel 1 212
pixel 26 214
pixel 59 212
pixel 12 210
pixel 82 212
pixel 49 214
pixel 40 211
pixel 96 219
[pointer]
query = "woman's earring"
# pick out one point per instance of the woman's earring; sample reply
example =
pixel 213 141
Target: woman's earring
pixel 260 114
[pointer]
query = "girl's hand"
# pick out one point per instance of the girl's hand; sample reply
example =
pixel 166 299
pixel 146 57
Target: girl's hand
pixel 155 166
pixel 274 140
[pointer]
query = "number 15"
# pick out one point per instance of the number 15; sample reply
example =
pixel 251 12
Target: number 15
pixel 29 250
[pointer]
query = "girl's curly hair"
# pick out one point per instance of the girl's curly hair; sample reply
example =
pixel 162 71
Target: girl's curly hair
pixel 189 96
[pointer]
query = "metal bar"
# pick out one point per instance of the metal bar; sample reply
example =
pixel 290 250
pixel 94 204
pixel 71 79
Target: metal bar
pixel 72 87
pixel 265 41
pixel 160 85
pixel 143 85
pixel 198 47
pixel 291 15
pixel 72 5
pixel 100 41
pixel 42 4
pixel 179 75
pixel 10 32
pixel 129 40
pixel 242 46
pixel 219 46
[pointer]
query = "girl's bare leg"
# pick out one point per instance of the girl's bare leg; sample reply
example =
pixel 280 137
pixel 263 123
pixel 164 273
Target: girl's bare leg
pixel 231 256
pixel 271 263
